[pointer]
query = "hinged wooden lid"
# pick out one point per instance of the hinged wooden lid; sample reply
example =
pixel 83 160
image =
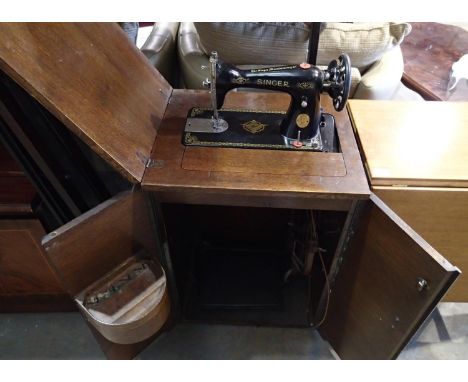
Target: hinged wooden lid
pixel 413 143
pixel 91 77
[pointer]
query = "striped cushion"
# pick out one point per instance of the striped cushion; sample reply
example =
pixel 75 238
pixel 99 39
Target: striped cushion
pixel 365 43
pixel 286 43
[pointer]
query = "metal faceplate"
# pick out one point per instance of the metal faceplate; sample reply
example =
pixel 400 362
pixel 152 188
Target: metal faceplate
pixel 206 125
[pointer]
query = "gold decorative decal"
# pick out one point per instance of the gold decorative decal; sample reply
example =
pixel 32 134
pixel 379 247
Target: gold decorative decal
pixel 269 82
pixel 240 80
pixel 254 126
pixel 196 111
pixel 273 69
pixel 302 120
pixel 305 85
pixel 189 139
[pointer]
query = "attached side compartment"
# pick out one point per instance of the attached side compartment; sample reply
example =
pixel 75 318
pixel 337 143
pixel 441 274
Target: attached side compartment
pixel 107 261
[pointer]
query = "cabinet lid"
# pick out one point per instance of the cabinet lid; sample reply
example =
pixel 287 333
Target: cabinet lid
pixel 413 143
pixel 93 79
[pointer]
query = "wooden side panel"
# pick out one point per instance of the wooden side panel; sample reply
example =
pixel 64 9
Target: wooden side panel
pixel 91 77
pixel 13 178
pixel 23 267
pixel 88 247
pixel 440 216
pixel 376 304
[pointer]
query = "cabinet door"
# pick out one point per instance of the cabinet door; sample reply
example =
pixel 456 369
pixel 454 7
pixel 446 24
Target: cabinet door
pixel 389 281
pixel 93 245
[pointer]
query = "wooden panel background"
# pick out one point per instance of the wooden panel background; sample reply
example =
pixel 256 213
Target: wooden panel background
pixel 23 266
pixel 12 178
pixel 375 305
pixel 92 78
pixel 440 216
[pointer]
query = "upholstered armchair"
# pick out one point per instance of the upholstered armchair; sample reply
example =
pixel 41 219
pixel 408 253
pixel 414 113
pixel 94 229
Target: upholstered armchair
pixel 374 49
pixel 158 44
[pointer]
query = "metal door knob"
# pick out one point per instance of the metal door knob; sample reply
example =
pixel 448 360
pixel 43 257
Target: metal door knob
pixel 422 284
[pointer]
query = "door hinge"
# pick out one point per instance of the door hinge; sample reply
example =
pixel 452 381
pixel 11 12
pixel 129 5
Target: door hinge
pixel 154 163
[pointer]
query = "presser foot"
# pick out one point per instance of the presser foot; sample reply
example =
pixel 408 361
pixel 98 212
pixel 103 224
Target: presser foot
pixel 314 143
pixel 206 125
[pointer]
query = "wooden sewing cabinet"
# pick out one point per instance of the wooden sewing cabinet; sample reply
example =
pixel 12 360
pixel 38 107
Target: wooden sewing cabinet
pixel 384 278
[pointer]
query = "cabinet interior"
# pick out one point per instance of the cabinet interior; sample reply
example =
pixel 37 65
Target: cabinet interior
pixel 235 264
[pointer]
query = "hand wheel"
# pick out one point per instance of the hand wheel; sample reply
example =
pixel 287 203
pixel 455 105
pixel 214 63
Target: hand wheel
pixel 338 81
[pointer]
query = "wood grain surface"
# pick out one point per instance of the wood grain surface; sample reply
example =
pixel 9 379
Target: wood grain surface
pixel 87 248
pixel 440 216
pixel 24 269
pixel 92 78
pixel 413 143
pixel 8 166
pixel 429 52
pixel 376 306
pixel 16 191
pixel 219 175
pixel 274 162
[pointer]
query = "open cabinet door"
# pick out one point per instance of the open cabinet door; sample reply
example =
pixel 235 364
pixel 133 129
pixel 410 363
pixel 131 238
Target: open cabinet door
pixel 388 283
pixel 107 261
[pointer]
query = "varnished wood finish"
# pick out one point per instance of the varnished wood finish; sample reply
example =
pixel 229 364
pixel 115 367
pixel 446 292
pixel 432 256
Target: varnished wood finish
pixel 273 162
pixel 219 175
pixel 429 52
pixel 24 270
pixel 27 283
pixel 440 216
pixel 137 311
pixel 413 143
pixel 375 305
pixel 92 78
pixel 90 246
pixel 8 166
pixel 16 191
pixel 206 197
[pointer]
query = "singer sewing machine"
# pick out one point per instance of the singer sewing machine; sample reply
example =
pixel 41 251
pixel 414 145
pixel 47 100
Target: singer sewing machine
pixel 303 127
pixel 212 234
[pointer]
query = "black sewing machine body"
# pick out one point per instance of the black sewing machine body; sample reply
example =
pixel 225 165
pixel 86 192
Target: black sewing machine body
pixel 303 83
pixel 302 127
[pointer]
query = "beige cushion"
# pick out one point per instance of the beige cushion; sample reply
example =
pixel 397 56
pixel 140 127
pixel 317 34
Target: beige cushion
pixel 287 43
pixel 255 43
pixel 365 43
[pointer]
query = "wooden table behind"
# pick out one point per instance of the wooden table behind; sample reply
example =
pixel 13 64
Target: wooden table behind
pixel 429 52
